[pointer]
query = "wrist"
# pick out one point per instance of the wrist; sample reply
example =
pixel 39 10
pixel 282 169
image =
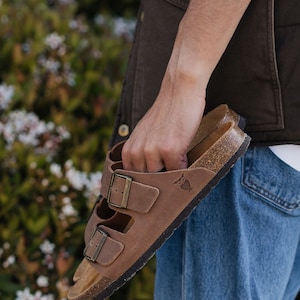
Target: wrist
pixel 182 75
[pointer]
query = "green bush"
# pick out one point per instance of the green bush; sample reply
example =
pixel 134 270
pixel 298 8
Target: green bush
pixel 60 81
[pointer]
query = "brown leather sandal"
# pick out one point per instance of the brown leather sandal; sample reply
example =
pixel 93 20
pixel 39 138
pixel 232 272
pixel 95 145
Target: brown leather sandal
pixel 136 212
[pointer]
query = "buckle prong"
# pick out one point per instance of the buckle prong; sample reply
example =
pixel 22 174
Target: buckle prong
pixel 126 190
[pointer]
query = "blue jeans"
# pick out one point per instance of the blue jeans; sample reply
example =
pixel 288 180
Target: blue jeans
pixel 243 239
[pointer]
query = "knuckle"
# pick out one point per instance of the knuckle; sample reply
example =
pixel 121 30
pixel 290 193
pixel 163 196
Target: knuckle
pixel 125 153
pixel 135 153
pixel 168 150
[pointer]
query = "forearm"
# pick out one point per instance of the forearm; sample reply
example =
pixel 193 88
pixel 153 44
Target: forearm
pixel 202 38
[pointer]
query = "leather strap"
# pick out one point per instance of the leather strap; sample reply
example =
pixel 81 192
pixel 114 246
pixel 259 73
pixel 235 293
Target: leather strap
pixel 100 242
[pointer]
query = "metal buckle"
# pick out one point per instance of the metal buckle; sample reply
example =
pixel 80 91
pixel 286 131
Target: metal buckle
pixel 98 246
pixel 127 186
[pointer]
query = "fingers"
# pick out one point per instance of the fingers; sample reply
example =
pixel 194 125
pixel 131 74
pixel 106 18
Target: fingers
pixel 145 156
pixel 173 157
pixel 138 158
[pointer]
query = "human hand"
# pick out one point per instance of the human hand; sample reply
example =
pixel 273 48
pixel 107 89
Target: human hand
pixel 161 138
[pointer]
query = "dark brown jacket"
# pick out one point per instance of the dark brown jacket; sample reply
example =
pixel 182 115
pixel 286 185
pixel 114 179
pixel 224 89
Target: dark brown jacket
pixel 258 75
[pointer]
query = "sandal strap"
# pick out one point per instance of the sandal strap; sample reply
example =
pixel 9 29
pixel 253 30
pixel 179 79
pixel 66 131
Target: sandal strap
pixel 101 242
pixel 123 192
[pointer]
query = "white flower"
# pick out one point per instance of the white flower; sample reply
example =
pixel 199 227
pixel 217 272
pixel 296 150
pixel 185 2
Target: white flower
pixel 78 25
pixel 42 281
pixel 69 211
pixel 120 26
pixel 33 165
pixel 94 183
pixel 63 132
pixel 124 27
pixel 50 65
pixel 100 20
pixel 39 296
pixel 55 169
pixel 68 164
pixel 24 295
pixel 47 247
pixel 48 297
pixel 49 261
pixel 28 129
pixel 66 200
pixel 54 41
pixel 70 78
pixel 9 261
pixel 76 178
pixel 45 182
pixel 6 94
pixel 6 246
pixel 24 127
pixel 64 188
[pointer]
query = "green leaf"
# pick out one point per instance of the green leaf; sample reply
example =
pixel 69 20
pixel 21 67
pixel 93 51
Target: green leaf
pixel 38 225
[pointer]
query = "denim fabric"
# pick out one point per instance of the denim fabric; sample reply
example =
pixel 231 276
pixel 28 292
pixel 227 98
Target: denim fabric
pixel 242 241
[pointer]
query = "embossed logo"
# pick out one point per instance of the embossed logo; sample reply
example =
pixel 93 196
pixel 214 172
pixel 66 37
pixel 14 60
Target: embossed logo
pixel 183 183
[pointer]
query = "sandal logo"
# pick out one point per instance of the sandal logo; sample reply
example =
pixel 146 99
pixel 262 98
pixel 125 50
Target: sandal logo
pixel 183 183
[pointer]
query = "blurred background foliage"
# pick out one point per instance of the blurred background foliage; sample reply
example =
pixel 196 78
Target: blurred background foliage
pixel 125 8
pixel 62 68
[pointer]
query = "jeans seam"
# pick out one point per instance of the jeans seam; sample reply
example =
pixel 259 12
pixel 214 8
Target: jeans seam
pixel 269 196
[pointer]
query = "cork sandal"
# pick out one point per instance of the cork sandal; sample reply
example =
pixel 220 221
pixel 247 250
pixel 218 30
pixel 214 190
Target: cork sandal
pixel 136 212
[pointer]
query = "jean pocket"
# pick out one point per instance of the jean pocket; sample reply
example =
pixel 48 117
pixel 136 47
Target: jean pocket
pixel 180 3
pixel 272 180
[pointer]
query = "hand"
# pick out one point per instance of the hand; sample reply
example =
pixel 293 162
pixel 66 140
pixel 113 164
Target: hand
pixel 160 140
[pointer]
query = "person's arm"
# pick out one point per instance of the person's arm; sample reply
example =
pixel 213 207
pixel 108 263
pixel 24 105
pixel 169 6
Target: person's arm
pixel 161 138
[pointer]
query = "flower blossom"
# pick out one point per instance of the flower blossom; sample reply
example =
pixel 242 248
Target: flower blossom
pixel 81 180
pixel 68 211
pixel 78 25
pixel 76 178
pixel 28 129
pixel 50 64
pixel 26 295
pixel 9 261
pixel 42 281
pixel 94 183
pixel 47 247
pixel 54 41
pixel 120 26
pixel 124 27
pixel 6 94
pixel 55 169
